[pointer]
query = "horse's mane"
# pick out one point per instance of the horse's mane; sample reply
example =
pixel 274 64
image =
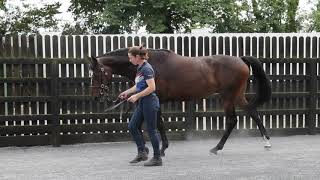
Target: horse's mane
pixel 124 52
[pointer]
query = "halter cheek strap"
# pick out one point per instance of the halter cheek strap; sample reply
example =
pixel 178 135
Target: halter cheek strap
pixel 103 87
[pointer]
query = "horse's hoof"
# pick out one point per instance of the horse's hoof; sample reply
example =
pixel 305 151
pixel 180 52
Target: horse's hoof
pixel 267 146
pixel 162 152
pixel 267 142
pixel 214 150
pixel 146 149
pixel 163 148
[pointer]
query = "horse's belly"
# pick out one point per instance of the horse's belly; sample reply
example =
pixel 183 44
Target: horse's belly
pixel 191 90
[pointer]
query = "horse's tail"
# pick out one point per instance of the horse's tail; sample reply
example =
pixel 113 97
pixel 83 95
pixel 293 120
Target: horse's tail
pixel 263 86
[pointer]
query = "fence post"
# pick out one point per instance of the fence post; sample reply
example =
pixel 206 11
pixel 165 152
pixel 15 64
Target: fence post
pixel 312 87
pixel 55 128
pixel 191 125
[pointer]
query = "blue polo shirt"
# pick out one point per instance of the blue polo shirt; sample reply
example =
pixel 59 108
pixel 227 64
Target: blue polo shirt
pixel 144 72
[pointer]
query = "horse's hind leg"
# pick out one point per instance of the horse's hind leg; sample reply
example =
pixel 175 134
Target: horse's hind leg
pixel 252 112
pixel 231 120
pixel 254 115
pixel 144 141
pixel 162 130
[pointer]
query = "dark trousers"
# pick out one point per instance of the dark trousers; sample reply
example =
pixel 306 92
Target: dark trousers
pixel 146 110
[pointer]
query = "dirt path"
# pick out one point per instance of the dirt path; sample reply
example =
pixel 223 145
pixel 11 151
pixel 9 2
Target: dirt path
pixel 292 157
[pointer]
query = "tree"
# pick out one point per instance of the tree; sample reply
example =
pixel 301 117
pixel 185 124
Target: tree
pixel 220 16
pixel 315 19
pixel 15 20
pixel 275 15
pixel 87 12
pixel 292 24
pixel 76 29
pixel 248 15
pixel 114 16
pixel 2 2
pixel 167 16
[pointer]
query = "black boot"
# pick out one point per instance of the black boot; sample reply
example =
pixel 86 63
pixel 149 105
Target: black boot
pixel 142 156
pixel 155 161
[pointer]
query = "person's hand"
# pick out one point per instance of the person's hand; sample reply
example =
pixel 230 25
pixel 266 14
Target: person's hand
pixel 123 95
pixel 133 98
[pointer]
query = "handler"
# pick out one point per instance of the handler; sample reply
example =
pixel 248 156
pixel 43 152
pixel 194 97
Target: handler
pixel 147 106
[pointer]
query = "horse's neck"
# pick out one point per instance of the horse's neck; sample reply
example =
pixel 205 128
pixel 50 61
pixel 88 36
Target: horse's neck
pixel 127 71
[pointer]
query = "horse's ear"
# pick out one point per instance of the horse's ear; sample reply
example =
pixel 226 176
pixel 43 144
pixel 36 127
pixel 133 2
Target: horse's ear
pixel 94 61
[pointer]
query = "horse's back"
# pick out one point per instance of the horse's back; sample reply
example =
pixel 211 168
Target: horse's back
pixel 182 77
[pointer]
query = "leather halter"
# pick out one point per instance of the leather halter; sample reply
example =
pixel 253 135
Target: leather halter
pixel 104 86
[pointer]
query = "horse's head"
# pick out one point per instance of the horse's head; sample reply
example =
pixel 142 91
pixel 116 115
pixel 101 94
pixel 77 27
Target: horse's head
pixel 101 77
pixel 102 68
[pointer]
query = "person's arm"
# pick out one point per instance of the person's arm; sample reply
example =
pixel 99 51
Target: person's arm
pixel 150 89
pixel 125 94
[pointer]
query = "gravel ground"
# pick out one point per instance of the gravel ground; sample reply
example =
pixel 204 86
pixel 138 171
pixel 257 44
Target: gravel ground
pixel 292 157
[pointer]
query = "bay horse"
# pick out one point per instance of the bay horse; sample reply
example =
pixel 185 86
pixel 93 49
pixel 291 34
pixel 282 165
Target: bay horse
pixel 180 78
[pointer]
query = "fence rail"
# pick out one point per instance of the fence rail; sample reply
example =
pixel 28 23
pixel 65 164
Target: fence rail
pixel 45 99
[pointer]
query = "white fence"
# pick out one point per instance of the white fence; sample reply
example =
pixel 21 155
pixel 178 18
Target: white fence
pixel 280 45
pixel 273 45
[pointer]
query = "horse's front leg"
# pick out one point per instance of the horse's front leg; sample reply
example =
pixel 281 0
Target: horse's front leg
pixel 162 130
pixel 144 141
